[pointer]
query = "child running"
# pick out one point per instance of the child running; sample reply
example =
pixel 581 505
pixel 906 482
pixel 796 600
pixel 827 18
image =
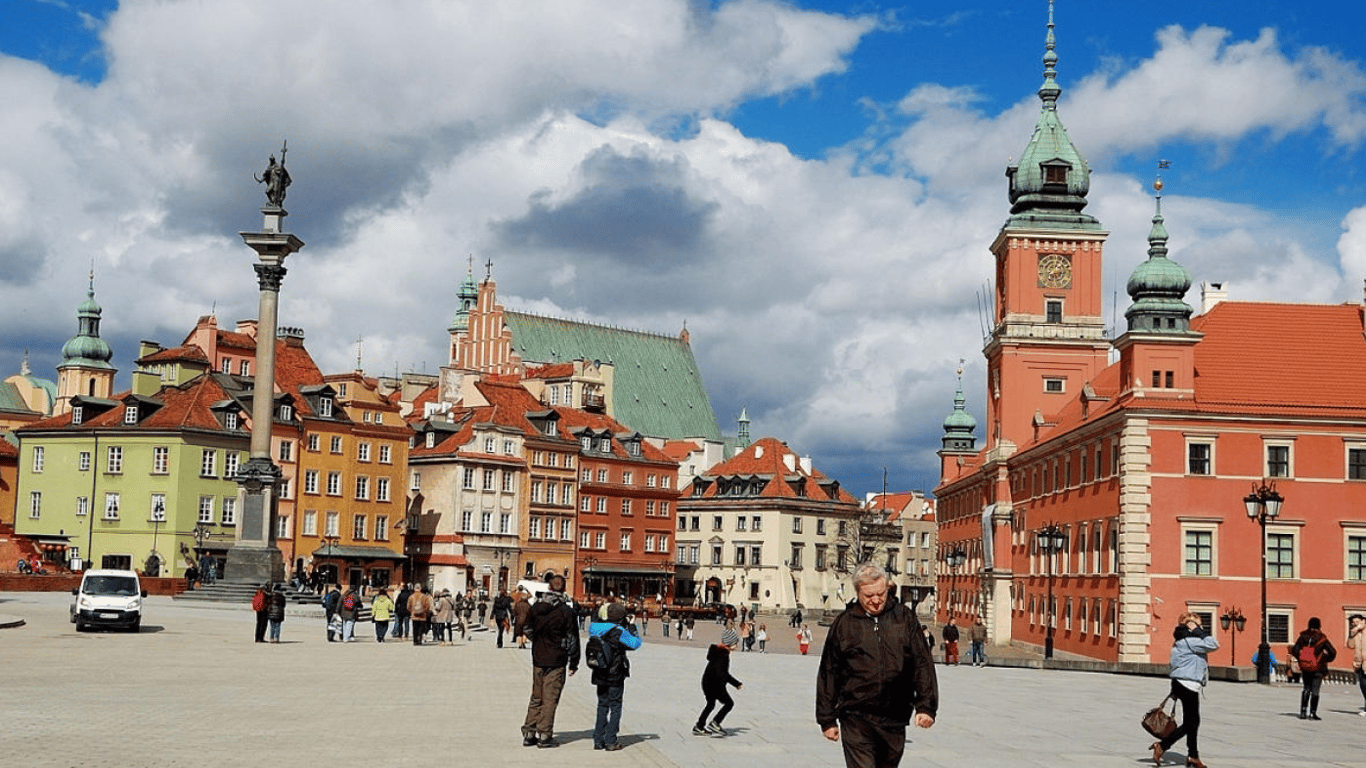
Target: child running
pixel 714 681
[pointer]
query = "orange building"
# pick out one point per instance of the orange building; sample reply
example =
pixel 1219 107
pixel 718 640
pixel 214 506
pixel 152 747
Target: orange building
pixel 1109 496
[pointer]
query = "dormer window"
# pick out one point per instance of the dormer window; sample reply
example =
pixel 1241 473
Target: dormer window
pixel 245 368
pixel 325 407
pixel 605 444
pixel 552 428
pixel 1055 174
pixel 286 412
pixel 227 365
pixel 230 420
pixel 77 414
pixel 130 414
pixel 431 439
pixel 586 442
pixel 633 447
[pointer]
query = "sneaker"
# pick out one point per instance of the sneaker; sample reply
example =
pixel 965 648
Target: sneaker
pixel 715 729
pixel 698 730
pixel 550 743
pixel 613 747
pixel 528 739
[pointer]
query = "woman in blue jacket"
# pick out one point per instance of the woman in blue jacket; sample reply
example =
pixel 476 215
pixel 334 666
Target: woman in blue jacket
pixel 617 636
pixel 1189 674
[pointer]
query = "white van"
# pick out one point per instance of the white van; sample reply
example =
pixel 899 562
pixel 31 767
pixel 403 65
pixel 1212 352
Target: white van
pixel 108 598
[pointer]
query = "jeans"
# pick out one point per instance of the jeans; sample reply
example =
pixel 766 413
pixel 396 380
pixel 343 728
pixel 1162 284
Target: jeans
pixel 275 630
pixel 979 652
pixel 419 629
pixel 1361 683
pixel 400 626
pixel 380 628
pixel 609 714
pixel 348 630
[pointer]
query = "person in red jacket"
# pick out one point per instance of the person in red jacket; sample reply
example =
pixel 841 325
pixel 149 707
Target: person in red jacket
pixel 1314 652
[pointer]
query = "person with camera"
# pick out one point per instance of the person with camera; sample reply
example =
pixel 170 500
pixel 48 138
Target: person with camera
pixel 1189 672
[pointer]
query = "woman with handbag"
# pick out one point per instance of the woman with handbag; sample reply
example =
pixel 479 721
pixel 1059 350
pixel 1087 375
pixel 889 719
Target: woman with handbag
pixel 1189 672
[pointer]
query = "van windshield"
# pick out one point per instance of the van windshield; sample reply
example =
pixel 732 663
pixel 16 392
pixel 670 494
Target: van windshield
pixel 125 586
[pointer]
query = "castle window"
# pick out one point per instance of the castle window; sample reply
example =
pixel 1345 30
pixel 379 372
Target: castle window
pixel 1053 385
pixel 1055 174
pixel 1053 311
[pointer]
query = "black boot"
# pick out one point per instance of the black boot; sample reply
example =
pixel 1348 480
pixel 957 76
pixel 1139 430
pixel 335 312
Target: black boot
pixel 1314 708
pixel 1304 705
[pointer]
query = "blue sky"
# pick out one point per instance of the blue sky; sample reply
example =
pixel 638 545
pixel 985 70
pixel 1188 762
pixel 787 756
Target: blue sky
pixel 812 186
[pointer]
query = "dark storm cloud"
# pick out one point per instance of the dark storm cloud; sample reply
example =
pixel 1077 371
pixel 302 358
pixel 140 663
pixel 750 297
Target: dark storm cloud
pixel 22 260
pixel 633 210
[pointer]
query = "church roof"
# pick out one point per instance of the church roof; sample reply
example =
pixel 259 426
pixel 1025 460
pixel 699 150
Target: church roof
pixel 656 385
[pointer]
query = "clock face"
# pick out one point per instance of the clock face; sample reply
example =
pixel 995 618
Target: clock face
pixel 1055 271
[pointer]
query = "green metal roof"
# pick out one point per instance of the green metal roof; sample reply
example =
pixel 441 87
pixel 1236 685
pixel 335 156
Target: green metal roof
pixel 657 389
pixel 10 399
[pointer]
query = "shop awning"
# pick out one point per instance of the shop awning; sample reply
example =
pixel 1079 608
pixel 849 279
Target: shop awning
pixel 356 552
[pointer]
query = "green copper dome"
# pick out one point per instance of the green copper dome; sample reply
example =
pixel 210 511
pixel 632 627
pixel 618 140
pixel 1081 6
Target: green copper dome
pixel 87 349
pixel 469 294
pixel 1158 286
pixel 959 425
pixel 1048 186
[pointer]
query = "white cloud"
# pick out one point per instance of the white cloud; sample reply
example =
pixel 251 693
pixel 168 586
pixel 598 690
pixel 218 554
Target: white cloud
pixel 832 297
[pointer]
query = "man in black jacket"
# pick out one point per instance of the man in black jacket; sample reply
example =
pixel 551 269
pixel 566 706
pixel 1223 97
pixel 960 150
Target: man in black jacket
pixel 876 673
pixel 554 631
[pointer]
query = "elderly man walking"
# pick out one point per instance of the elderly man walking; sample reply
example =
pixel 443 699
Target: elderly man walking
pixel 554 628
pixel 876 675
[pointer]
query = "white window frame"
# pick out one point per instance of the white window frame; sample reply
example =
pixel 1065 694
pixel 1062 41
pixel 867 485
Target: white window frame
pixel 382 489
pixel 1289 446
pixel 310 522
pixel 208 462
pixel 1193 440
pixel 311 481
pixel 39 454
pixel 334 482
pixel 113 460
pixel 35 505
pixel 386 454
pixel 111 506
pixel 161 460
pixel 1212 529
pixel 1296 562
pixel 227 510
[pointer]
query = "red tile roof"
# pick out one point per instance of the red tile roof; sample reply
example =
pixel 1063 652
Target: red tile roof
pixel 679 450
pixel 190 352
pixel 765 458
pixel 551 371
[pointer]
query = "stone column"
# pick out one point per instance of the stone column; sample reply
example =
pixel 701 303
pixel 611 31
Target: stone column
pixel 254 557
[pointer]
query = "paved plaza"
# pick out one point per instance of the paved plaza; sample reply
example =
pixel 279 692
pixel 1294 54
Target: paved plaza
pixel 192 689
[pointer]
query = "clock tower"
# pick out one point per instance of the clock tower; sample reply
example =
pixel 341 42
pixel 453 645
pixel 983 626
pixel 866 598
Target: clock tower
pixel 1048 334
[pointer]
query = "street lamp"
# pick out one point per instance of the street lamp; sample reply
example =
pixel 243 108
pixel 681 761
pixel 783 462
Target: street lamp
pixel 954 559
pixel 1235 618
pixel 1051 540
pixel 1263 504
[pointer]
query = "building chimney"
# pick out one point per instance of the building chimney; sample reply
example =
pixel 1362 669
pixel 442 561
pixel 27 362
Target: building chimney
pixel 1211 294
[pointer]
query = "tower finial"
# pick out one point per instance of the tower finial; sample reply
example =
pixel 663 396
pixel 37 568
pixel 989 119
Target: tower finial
pixel 1050 91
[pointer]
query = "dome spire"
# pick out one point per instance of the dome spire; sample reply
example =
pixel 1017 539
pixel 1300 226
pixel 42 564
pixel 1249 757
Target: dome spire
pixel 1049 91
pixel 1049 185
pixel 86 348
pixel 1158 286
pixel 959 425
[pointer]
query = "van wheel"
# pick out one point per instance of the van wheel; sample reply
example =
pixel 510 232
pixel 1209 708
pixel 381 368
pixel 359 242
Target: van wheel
pixel 80 627
pixel 135 626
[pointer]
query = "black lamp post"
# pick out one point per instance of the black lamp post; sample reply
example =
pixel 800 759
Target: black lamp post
pixel 954 559
pixel 1263 504
pixel 1233 618
pixel 1051 540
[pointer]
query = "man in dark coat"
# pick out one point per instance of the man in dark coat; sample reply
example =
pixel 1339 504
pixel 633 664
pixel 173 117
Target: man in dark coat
pixel 502 609
pixel 876 675
pixel 554 631
pixel 402 618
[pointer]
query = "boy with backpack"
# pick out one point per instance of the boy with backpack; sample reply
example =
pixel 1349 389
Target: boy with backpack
pixel 714 680
pixel 609 638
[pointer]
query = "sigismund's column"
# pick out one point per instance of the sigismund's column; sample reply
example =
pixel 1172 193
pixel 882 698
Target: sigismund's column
pixel 254 557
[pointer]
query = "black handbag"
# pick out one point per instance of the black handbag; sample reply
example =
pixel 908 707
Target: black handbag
pixel 1158 722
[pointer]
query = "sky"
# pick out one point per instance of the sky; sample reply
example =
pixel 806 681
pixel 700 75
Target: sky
pixel 811 187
